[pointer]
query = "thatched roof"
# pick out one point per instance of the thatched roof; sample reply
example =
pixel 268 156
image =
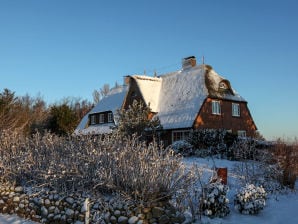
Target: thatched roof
pixel 176 97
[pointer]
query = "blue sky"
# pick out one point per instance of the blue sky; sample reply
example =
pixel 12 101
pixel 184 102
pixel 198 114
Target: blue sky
pixel 68 48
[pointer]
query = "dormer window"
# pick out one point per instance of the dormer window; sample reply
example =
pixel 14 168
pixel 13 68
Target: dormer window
pixel 223 86
pixel 110 117
pixel 92 119
pixel 101 118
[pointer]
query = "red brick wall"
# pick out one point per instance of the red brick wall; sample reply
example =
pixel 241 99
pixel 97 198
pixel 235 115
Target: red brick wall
pixel 225 120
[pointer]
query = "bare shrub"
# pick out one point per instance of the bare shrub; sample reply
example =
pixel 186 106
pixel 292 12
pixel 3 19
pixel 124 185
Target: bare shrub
pixel 66 164
pixel 147 173
pixel 286 156
pixel 256 165
pixel 48 160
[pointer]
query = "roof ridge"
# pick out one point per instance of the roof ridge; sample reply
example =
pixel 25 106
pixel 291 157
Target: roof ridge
pixel 145 77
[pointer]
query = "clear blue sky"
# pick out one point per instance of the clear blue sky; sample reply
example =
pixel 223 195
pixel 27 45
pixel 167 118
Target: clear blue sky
pixel 68 48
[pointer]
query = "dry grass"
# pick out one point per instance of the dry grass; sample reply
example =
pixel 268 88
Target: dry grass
pixel 286 156
pixel 144 173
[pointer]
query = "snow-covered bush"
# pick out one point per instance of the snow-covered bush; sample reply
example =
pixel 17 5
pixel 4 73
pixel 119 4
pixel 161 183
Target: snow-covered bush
pixel 208 142
pixel 93 163
pixel 243 149
pixel 182 147
pixel 205 138
pixel 214 201
pixel 250 199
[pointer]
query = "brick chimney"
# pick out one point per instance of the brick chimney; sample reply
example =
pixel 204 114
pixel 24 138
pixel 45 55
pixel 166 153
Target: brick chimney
pixel 189 62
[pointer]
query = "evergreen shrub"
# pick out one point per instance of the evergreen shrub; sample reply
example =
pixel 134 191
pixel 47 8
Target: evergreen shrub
pixel 214 201
pixel 250 199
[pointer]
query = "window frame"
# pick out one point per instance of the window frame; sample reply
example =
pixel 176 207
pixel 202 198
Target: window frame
pixel 241 133
pixel 101 118
pixel 110 117
pixel 235 109
pixel 92 119
pixel 216 109
pixel 184 134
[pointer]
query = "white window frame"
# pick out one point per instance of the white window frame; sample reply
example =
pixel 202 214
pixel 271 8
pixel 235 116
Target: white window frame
pixel 101 118
pixel 216 107
pixel 110 117
pixel 235 109
pixel 92 119
pixel 241 133
pixel 184 134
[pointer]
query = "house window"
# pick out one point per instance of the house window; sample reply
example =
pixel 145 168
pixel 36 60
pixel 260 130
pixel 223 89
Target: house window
pixel 223 85
pixel 92 119
pixel 179 135
pixel 241 133
pixel 110 117
pixel 101 118
pixel 235 109
pixel 215 107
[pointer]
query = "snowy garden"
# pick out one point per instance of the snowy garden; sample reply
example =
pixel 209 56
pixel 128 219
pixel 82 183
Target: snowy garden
pixel 122 178
pixel 81 179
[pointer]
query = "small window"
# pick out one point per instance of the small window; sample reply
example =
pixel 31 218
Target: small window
pixel 92 119
pixel 179 135
pixel 215 107
pixel 235 109
pixel 241 133
pixel 110 117
pixel 101 118
pixel 223 85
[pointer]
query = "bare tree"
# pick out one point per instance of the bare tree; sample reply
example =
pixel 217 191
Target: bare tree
pixel 98 94
pixel 105 90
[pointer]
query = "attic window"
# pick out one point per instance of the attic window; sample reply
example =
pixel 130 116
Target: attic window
pixel 223 85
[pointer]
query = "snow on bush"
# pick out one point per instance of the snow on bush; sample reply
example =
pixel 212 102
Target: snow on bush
pixel 214 201
pixel 250 199
pixel 183 147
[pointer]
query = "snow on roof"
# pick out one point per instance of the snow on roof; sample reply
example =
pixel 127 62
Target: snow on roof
pixel 95 129
pixel 181 97
pixel 178 96
pixel 150 89
pixel 213 81
pixel 111 102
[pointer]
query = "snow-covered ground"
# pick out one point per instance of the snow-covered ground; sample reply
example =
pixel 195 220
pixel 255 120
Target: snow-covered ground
pixel 281 208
